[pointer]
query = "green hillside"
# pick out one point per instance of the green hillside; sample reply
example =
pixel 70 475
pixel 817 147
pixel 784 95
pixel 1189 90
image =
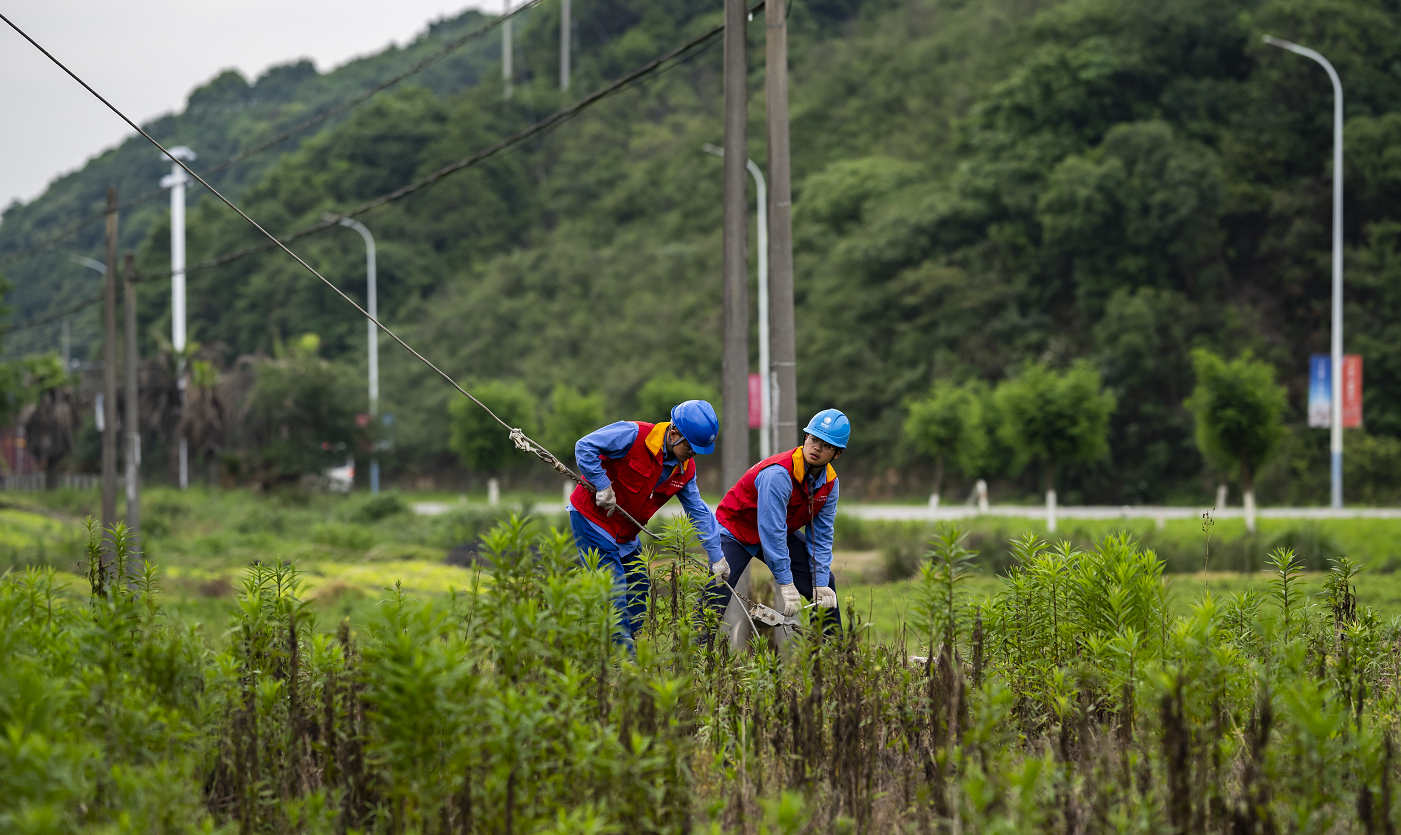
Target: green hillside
pixel 977 185
pixel 224 117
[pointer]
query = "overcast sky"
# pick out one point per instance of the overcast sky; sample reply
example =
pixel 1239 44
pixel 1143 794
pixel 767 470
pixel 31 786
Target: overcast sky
pixel 146 56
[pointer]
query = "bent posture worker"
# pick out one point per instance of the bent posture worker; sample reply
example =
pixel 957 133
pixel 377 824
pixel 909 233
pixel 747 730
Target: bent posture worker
pixel 764 513
pixel 638 467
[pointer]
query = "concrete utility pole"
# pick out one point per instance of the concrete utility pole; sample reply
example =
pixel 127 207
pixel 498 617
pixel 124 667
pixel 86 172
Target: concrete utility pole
pixel 506 47
pixel 765 399
pixel 133 421
pixel 176 181
pixel 783 348
pixel 109 370
pixel 1336 425
pixel 372 306
pixel 565 32
pixel 734 381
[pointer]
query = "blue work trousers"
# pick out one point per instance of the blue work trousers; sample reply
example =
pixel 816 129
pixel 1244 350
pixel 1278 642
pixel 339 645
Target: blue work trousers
pixel 799 561
pixel 630 580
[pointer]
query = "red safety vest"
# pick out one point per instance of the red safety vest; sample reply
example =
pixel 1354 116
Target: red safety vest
pixel 739 512
pixel 634 477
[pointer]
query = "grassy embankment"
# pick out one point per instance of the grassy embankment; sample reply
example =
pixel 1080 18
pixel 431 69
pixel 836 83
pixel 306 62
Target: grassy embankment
pixel 352 548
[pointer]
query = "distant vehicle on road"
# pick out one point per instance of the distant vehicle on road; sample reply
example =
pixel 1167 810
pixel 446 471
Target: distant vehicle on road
pixel 340 479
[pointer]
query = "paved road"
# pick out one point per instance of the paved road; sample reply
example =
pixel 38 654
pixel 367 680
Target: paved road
pixel 912 512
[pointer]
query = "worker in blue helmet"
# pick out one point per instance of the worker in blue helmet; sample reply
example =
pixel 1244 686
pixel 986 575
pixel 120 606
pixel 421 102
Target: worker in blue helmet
pixel 639 467
pixel 784 511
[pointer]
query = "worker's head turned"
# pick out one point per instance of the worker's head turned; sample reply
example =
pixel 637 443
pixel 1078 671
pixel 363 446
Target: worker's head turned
pixel 696 426
pixel 826 436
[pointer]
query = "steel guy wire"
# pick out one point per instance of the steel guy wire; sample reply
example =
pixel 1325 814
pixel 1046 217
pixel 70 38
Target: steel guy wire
pixel 548 123
pixel 518 437
pixel 446 50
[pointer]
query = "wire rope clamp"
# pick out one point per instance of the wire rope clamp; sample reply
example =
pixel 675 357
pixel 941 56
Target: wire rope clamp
pixel 521 441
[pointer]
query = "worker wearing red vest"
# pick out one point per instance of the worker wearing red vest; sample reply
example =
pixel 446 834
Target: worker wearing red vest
pixel 764 514
pixel 639 467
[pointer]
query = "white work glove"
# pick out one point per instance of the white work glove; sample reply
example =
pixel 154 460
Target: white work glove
pixel 791 599
pixel 721 568
pixel 606 499
pixel 825 597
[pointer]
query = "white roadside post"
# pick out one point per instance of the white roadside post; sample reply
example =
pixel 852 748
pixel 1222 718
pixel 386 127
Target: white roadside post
pixel 176 181
pixel 766 422
pixel 1336 424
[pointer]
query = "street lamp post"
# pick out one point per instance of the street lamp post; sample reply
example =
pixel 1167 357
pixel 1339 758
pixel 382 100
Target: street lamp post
pixel 766 374
pixel 565 27
pixel 90 263
pixel 1336 424
pixel 372 305
pixel 65 345
pixel 175 181
pixel 506 47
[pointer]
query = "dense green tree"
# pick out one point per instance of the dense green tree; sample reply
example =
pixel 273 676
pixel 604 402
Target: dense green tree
pixel 1142 346
pixel 302 409
pixel 481 444
pixel 949 426
pixel 571 416
pixel 227 115
pixel 1138 210
pixel 977 186
pixel 1239 410
pixel 658 395
pixel 1054 419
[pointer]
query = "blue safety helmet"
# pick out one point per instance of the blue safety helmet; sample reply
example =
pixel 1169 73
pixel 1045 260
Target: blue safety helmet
pixel 831 426
pixel 697 423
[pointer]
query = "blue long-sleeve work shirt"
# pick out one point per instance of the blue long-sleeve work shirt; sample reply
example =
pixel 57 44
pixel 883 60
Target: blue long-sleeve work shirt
pixel 774 485
pixel 614 441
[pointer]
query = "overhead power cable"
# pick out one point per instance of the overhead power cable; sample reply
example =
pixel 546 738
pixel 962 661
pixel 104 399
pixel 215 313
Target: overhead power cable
pixel 518 437
pixel 551 121
pixel 301 127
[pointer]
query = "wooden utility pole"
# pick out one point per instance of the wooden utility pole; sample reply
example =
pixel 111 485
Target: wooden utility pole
pixel 782 378
pixel 132 420
pixel 734 380
pixel 109 370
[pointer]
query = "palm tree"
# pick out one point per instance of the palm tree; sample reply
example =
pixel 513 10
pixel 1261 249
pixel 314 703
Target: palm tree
pixel 204 420
pixel 159 399
pixel 52 419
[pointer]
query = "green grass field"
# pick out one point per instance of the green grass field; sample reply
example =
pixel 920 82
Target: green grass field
pixel 887 606
pixel 352 548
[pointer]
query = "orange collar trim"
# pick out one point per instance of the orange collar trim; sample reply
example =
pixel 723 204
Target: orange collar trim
pixel 657 437
pixel 800 469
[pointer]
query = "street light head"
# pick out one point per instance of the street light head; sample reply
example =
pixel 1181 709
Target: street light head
pixel 90 263
pixel 182 153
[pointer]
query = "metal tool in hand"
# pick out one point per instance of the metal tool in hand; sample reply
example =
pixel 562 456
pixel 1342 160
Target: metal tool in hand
pixel 766 615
